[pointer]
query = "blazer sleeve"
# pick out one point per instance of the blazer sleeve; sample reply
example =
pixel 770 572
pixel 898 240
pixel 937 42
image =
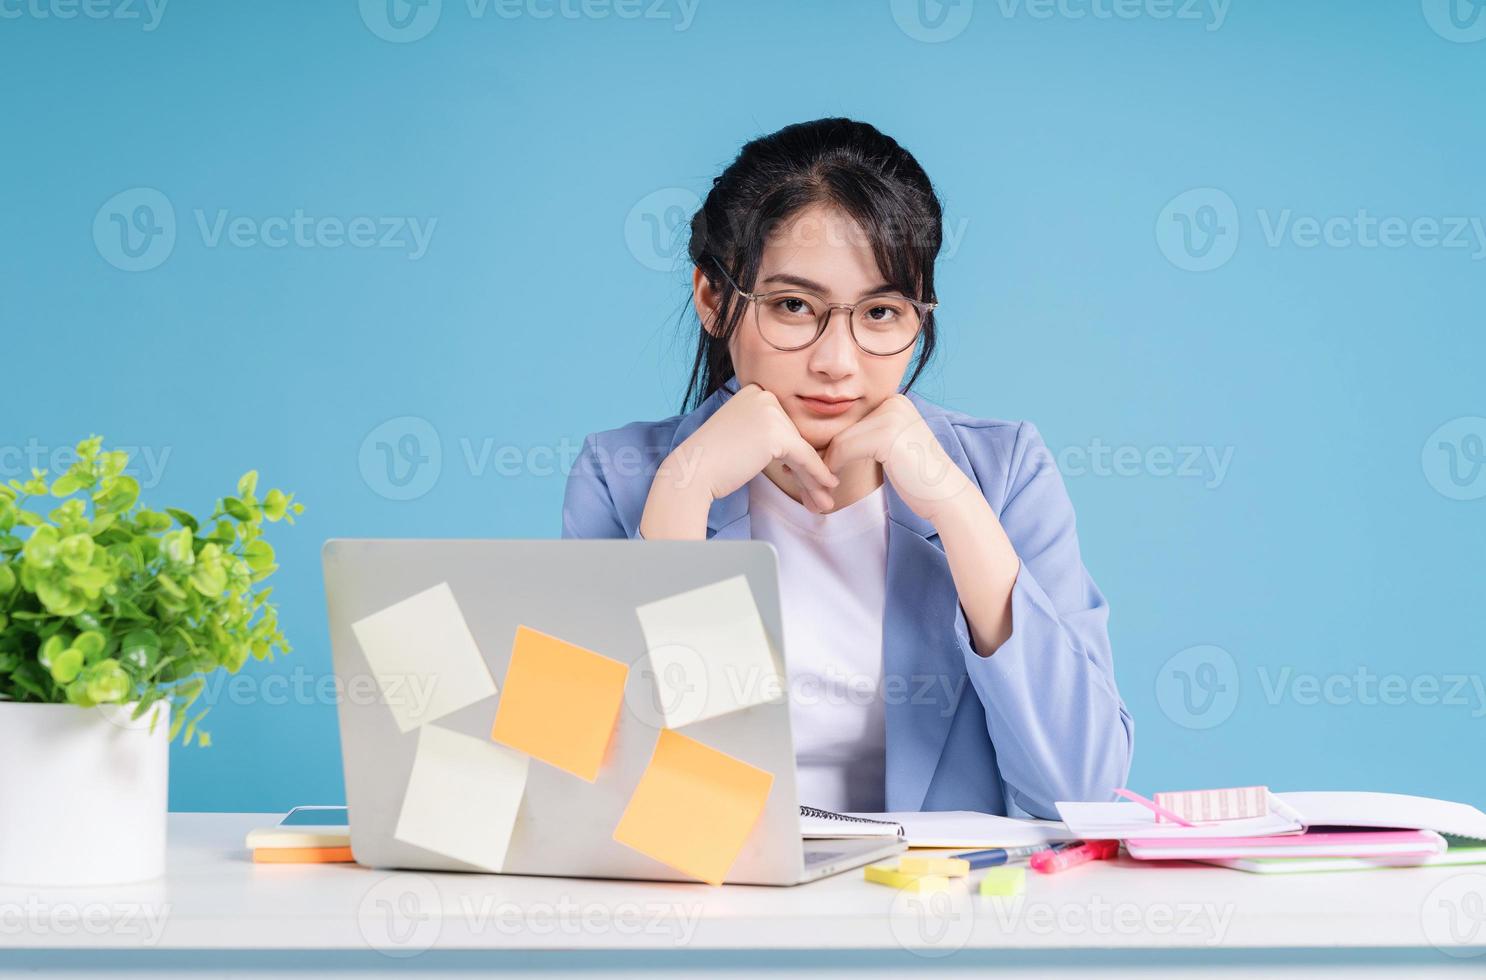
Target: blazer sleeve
pixel 588 509
pixel 1053 711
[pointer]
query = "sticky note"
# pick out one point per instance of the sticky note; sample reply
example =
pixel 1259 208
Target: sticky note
pixel 559 702
pixel 693 807
pixel 708 652
pixel 424 659
pixel 950 867
pixel 1004 881
pixel 886 874
pixel 462 797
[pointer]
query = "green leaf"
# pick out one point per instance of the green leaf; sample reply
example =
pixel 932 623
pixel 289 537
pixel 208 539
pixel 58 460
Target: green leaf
pixel 107 682
pixel 41 547
pixel 117 494
pixel 237 509
pixel 248 484
pixel 275 504
pixel 183 518
pixel 91 645
pixel 7 579
pixel 140 649
pixel 258 554
pixel 66 665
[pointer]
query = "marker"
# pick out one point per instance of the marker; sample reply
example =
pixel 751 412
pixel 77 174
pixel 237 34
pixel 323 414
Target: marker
pixel 1076 853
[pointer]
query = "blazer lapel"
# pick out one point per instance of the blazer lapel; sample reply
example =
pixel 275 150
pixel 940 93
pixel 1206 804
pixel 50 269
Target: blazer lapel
pixel 923 667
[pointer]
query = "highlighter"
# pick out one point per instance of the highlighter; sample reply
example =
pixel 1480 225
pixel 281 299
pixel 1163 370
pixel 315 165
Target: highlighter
pixel 1063 858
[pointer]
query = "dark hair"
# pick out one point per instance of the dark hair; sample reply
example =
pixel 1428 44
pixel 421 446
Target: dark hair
pixel 837 162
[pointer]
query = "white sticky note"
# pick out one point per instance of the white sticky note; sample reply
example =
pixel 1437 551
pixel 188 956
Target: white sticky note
pixel 708 652
pixel 462 797
pixel 424 659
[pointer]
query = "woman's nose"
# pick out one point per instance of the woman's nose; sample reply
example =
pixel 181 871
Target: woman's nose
pixel 835 353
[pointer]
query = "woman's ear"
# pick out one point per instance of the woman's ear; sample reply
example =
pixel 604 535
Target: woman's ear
pixel 705 299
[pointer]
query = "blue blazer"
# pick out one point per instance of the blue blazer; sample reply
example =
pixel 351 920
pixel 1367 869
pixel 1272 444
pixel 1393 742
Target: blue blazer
pixel 1040 720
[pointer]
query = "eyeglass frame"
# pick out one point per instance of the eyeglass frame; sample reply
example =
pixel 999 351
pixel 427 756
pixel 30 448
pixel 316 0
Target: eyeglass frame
pixel 824 319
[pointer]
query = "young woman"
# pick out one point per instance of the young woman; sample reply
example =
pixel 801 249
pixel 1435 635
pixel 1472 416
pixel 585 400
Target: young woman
pixel 945 647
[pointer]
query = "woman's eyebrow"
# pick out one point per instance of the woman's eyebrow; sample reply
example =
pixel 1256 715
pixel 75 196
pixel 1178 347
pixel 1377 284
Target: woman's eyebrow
pixel 815 287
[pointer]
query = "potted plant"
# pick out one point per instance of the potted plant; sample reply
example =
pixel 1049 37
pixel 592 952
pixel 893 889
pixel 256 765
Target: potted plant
pixel 110 616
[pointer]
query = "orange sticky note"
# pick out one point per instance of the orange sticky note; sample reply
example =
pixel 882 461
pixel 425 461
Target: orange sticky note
pixel 559 702
pixel 694 807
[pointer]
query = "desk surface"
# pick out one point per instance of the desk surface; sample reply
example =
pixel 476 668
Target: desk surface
pixel 214 897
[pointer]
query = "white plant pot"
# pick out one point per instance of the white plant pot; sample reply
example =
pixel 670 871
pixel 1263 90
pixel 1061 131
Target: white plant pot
pixel 83 794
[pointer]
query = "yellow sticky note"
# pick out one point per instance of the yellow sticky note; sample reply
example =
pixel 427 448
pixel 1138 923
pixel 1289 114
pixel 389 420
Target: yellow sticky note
pixel 1004 881
pixel 693 807
pixel 886 874
pixel 950 867
pixel 559 702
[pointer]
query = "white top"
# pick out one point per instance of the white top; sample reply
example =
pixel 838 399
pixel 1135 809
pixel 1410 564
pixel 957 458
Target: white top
pixel 833 589
pixel 213 899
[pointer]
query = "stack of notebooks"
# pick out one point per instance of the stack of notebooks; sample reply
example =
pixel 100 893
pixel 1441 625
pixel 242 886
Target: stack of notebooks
pixel 1252 829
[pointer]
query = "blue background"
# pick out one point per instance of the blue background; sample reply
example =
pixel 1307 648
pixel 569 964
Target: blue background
pixel 547 149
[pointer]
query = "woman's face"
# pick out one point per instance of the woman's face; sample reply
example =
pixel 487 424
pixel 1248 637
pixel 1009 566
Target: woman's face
pixel 823 251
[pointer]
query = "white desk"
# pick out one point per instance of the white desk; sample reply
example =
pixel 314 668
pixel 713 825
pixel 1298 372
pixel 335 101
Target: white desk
pixel 215 910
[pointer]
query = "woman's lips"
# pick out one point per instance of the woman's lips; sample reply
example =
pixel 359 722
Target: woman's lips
pixel 820 407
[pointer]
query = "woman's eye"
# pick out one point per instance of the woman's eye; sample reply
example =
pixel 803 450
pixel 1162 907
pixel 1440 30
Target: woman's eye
pixel 795 306
pixel 881 314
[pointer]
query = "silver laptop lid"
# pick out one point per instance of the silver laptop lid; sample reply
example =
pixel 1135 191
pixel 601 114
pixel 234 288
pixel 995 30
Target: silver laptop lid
pixel 584 592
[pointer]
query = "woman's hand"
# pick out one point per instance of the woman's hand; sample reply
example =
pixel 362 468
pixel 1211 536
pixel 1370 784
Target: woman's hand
pixel 737 441
pixel 746 434
pixel 896 435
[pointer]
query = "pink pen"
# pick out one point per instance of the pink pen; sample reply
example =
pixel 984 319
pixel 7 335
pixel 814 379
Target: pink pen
pixel 1061 859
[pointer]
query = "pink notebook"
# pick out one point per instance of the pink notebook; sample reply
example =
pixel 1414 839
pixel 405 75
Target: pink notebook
pixel 1362 843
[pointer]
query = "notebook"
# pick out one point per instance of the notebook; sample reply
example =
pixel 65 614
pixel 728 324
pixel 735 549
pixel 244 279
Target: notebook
pixel 1461 851
pixel 1290 813
pixel 933 828
pixel 1355 843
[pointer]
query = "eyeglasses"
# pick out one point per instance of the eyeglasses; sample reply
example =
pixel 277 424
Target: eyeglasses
pixel 793 319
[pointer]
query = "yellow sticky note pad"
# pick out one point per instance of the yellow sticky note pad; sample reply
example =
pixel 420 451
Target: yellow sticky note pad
pixel 693 807
pixel 886 874
pixel 559 702
pixel 950 867
pixel 1004 881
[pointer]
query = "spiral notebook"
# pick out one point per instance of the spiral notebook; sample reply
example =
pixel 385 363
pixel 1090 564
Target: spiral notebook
pixel 932 828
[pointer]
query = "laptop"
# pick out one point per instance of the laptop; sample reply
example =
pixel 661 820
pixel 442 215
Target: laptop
pixel 585 592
